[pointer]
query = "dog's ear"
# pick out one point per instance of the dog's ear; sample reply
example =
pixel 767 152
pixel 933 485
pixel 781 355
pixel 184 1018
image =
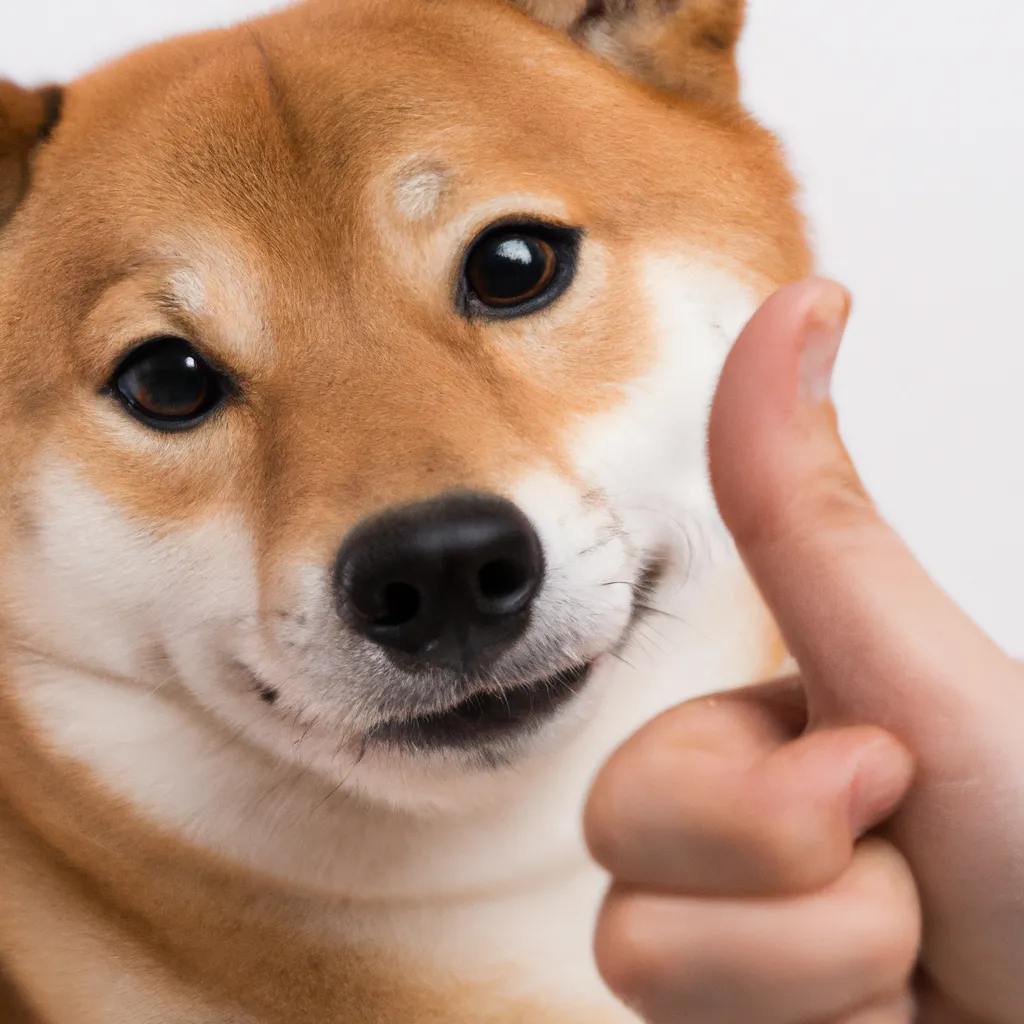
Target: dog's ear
pixel 681 46
pixel 27 117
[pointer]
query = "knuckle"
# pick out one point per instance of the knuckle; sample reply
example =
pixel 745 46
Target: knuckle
pixel 831 501
pixel 831 497
pixel 634 955
pixel 802 855
pixel 836 496
pixel 795 838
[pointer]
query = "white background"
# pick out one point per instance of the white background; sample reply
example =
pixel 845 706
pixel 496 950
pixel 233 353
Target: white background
pixel 903 119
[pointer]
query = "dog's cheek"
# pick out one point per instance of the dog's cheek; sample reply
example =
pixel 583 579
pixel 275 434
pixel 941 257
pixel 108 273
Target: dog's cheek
pixel 88 582
pixel 640 488
pixel 649 454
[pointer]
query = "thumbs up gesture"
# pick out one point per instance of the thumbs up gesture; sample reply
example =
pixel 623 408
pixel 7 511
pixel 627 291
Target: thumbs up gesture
pixel 846 847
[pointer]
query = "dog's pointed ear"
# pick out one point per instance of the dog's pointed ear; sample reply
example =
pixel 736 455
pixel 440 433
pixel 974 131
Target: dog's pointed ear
pixel 686 47
pixel 27 117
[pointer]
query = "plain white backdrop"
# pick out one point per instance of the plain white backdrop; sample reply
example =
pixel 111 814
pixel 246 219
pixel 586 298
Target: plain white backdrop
pixel 903 122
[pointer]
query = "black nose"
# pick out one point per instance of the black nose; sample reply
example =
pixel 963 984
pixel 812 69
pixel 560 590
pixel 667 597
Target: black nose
pixel 447 582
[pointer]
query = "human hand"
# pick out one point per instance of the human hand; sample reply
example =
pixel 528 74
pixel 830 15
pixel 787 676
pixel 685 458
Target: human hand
pixel 745 891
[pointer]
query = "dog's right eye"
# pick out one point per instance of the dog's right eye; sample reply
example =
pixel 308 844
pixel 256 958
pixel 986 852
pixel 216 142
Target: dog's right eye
pixel 167 385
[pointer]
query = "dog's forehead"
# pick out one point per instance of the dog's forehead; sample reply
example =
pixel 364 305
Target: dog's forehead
pixel 285 130
pixel 309 109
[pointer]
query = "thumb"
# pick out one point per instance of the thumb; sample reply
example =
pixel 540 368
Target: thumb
pixel 877 641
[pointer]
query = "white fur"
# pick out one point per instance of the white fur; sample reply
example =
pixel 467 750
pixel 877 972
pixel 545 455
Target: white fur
pixel 419 191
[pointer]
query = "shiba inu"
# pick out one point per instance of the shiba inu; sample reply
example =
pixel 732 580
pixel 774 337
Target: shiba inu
pixel 355 505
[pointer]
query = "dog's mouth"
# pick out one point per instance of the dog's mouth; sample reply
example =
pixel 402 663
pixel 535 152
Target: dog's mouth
pixel 495 714
pixel 486 715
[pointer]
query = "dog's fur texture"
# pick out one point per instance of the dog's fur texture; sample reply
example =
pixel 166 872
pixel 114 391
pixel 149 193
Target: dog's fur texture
pixel 294 196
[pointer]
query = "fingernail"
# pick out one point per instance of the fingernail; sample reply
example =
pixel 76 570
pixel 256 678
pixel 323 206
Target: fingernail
pixel 823 334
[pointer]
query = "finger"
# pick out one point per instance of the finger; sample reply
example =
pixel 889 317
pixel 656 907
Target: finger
pixel 715 798
pixel 811 958
pixel 875 638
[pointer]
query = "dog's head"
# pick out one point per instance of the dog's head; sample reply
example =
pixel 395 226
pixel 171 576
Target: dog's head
pixel 357 361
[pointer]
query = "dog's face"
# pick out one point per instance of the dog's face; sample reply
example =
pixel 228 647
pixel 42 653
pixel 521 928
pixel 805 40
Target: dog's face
pixel 356 367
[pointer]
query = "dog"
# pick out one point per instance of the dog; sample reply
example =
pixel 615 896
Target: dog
pixel 357 363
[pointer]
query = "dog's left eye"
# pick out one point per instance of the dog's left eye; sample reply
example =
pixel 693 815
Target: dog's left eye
pixel 167 385
pixel 512 269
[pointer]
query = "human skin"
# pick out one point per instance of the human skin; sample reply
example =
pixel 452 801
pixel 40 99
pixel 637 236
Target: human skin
pixel 846 847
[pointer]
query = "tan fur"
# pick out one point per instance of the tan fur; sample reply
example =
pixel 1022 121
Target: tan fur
pixel 262 154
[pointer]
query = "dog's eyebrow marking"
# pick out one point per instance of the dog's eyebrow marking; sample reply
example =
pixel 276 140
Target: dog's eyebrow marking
pixel 218 293
pixel 187 291
pixel 420 190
